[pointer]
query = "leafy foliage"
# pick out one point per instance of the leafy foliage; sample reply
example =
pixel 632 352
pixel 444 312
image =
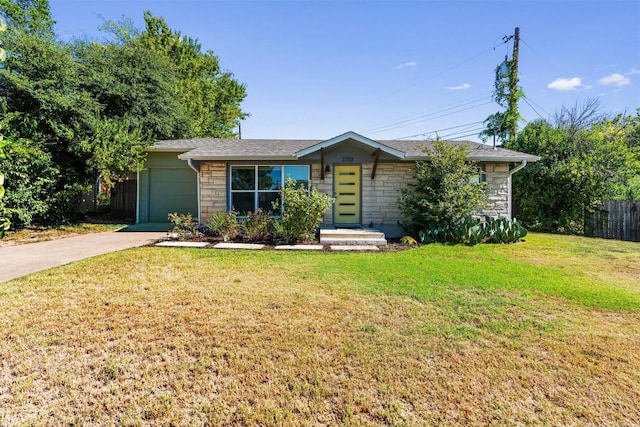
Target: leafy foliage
pixel 223 224
pixel 585 160
pixel 472 231
pixel 183 225
pixel 5 223
pixel 257 225
pixel 506 94
pixel 90 108
pixel 444 191
pixel 302 214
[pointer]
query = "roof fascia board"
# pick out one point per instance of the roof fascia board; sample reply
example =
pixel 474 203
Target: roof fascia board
pixel 168 150
pixel 243 158
pixel 501 159
pixel 356 137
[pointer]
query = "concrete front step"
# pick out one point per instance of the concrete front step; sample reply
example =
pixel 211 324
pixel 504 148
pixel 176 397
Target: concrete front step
pixel 352 236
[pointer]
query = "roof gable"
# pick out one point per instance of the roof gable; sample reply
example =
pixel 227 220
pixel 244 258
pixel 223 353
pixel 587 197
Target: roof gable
pixel 351 136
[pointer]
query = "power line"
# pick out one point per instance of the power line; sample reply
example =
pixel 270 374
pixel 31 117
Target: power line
pixel 579 90
pixel 421 116
pixel 437 74
pixel 466 125
pixel 537 105
pixel 531 106
pixel 430 117
pixel 464 136
pixel 476 131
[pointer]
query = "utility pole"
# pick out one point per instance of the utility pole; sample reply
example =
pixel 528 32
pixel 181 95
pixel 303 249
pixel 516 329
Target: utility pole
pixel 513 83
pixel 504 124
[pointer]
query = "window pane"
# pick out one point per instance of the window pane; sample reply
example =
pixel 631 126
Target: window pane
pixel 299 173
pixel 269 177
pixel 265 200
pixel 243 178
pixel 243 202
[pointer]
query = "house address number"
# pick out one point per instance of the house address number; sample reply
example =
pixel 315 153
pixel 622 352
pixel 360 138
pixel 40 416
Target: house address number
pixel 347 160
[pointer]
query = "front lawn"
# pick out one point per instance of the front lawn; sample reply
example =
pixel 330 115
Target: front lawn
pixel 544 332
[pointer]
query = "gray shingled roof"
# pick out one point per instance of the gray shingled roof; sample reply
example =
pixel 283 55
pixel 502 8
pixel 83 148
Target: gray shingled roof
pixel 285 149
pixel 413 150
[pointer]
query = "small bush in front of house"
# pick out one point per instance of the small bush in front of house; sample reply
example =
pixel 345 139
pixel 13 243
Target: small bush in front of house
pixel 302 214
pixel 471 231
pixel 257 225
pixel 224 224
pixel 183 225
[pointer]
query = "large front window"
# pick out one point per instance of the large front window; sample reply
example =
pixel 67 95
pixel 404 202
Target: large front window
pixel 254 187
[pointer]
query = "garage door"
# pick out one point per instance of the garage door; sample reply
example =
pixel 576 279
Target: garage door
pixel 172 190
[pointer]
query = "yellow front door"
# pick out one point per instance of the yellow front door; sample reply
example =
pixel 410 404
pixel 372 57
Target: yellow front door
pixel 346 187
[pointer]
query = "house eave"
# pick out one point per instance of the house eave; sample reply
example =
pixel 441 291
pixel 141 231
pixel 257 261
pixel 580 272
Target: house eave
pixel 186 156
pixel 498 159
pixel 168 150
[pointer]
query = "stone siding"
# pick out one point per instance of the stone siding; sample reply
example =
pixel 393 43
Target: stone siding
pixel 323 186
pixel 379 196
pixel 498 183
pixel 213 189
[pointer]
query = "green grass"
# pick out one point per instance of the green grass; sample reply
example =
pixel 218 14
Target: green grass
pixel 430 272
pixel 545 332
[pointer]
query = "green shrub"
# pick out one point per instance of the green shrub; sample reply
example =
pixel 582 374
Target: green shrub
pixel 303 210
pixel 224 224
pixel 446 189
pixel 183 225
pixel 257 225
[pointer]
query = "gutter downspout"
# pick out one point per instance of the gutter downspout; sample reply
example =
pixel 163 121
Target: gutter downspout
pixel 511 172
pixel 197 171
pixel 138 195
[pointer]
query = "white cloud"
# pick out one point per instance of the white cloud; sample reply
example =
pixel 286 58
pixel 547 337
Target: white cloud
pixel 633 71
pixel 463 86
pixel 410 64
pixel 565 84
pixel 615 79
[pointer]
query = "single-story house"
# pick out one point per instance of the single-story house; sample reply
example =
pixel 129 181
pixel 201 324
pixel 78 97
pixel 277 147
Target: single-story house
pixel 202 176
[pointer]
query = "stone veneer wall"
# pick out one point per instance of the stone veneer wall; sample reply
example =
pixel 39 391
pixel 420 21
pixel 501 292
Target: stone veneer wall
pixel 498 182
pixel 325 186
pixel 213 189
pixel 379 196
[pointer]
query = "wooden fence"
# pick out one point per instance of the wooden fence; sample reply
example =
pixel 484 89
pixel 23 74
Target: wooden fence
pixel 616 219
pixel 123 199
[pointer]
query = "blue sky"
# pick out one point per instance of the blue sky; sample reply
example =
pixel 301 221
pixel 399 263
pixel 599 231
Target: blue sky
pixel 396 69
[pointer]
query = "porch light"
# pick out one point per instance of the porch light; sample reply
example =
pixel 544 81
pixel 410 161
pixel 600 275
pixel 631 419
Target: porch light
pixel 327 169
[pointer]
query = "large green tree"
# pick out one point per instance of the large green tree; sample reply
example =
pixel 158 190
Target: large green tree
pixel 40 105
pixel 90 108
pixel 586 158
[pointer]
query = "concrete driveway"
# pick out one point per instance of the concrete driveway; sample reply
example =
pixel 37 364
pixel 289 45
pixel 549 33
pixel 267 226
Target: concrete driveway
pixel 20 260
